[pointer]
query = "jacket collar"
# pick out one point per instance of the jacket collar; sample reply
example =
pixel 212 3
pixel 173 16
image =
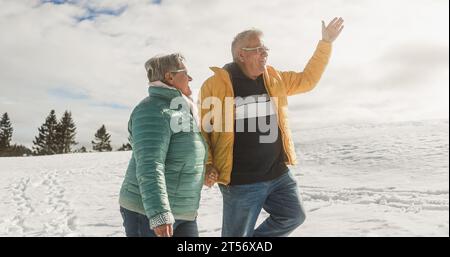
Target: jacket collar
pixel 158 88
pixel 223 73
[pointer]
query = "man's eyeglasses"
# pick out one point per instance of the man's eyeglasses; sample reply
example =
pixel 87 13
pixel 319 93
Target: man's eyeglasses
pixel 259 49
pixel 180 70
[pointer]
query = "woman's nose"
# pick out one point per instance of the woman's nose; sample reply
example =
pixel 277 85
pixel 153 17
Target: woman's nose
pixel 190 78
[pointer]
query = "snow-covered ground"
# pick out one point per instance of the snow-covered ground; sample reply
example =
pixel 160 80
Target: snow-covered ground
pixel 356 180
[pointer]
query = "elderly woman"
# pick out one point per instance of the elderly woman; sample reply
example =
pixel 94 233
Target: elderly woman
pixel 161 191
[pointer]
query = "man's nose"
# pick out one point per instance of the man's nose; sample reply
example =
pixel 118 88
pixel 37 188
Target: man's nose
pixel 190 78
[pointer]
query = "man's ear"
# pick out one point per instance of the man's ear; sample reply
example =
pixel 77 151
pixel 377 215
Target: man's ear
pixel 241 56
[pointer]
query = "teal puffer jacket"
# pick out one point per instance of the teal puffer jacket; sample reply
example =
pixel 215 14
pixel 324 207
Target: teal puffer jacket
pixel 165 174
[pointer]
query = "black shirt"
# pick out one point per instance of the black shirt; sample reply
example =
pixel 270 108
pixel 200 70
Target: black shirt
pixel 258 153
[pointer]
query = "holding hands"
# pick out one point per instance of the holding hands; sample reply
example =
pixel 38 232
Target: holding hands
pixel 211 176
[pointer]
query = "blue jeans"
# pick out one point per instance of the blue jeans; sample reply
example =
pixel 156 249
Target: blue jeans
pixel 242 205
pixel 136 225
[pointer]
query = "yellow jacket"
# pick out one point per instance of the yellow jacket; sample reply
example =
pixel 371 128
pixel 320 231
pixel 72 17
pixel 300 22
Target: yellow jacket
pixel 279 85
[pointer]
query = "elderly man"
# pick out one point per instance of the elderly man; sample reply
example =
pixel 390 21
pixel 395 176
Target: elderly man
pixel 244 121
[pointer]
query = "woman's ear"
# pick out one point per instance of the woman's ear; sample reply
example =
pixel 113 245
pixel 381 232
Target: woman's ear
pixel 168 76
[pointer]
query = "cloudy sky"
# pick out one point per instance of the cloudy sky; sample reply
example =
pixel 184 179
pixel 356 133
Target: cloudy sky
pixel 391 62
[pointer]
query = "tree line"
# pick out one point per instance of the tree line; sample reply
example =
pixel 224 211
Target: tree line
pixel 54 137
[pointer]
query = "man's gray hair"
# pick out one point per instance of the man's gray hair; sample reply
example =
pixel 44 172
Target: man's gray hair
pixel 241 40
pixel 157 66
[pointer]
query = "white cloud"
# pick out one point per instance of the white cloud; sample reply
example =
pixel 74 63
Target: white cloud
pixel 44 47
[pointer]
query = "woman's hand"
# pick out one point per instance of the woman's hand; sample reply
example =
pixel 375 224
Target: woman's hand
pixel 211 176
pixel 165 230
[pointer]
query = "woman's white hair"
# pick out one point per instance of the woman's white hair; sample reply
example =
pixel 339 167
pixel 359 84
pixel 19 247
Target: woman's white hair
pixel 241 40
pixel 157 66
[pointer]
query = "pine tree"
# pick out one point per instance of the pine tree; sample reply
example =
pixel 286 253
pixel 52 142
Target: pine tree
pixel 82 149
pixel 16 150
pixel 46 142
pixel 6 131
pixel 66 131
pixel 125 147
pixel 102 142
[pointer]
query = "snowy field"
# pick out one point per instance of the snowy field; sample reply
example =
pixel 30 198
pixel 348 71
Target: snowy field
pixel 355 180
